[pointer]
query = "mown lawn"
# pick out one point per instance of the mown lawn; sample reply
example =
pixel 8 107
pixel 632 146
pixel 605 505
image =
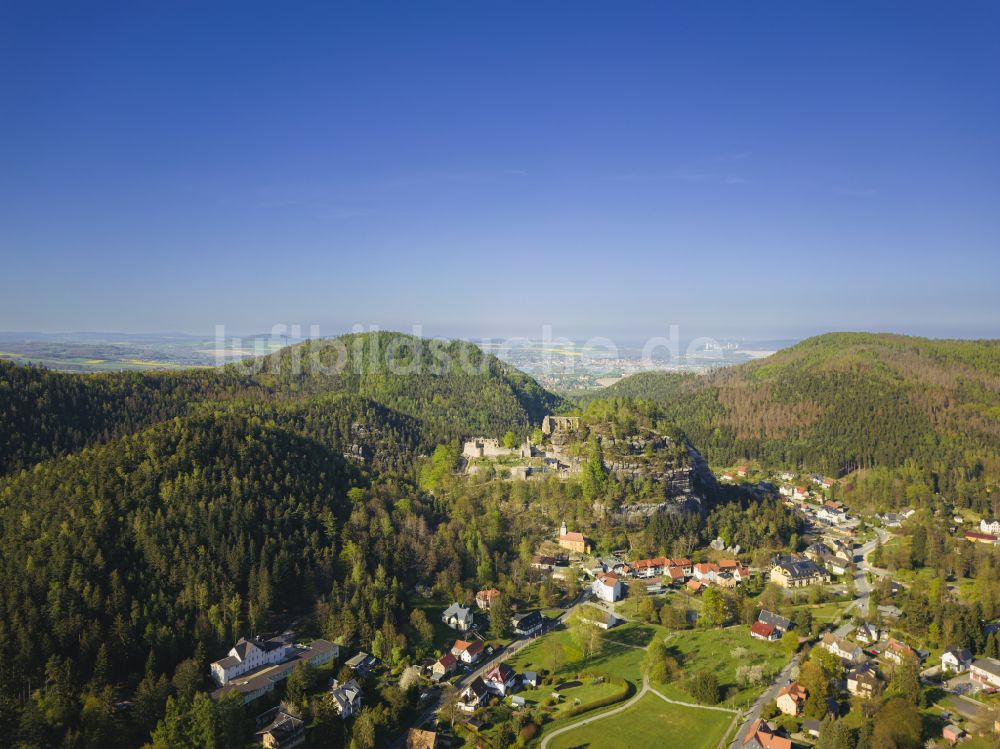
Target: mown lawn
pixel 650 723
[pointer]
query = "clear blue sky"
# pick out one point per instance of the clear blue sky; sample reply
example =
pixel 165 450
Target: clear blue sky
pixel 760 169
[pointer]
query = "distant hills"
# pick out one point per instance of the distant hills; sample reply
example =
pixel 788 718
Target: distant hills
pixel 441 391
pixel 844 401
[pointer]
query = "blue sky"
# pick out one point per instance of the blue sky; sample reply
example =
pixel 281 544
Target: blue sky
pixel 483 168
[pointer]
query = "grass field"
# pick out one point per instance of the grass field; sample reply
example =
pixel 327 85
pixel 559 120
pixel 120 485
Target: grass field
pixel 558 653
pixel 712 650
pixel 650 723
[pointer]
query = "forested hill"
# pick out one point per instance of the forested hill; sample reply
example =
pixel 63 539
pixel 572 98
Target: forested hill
pixel 843 401
pixel 451 390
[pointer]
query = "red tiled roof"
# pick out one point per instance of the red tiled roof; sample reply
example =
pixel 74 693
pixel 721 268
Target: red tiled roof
pixel 761 630
pixel 572 536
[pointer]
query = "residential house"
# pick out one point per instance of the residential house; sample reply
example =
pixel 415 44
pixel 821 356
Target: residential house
pixel 817 552
pixel 607 587
pixel 543 562
pixel 500 679
pixel 530 679
pixel 762 631
pixel 473 696
pixel 466 651
pixel 956 659
pixel 685 564
pixel 727 476
pixel 867 633
pixel 518 701
pixel 986 671
pixel 706 572
pixel 838 565
pixel 762 736
pixel 362 664
pixel 575 541
pixel 812 727
pixel 458 617
pixel 249 655
pixel 786 476
pixel 791 699
pixel 651 567
pixel 862 681
pixel 694 586
pixel 896 651
pixel 952 733
pixel 284 732
pixel 527 623
pixel 419 738
pixel 444 667
pixel 674 574
pixel 486 598
pixel 777 621
pixel 842 648
pixel 990 526
pixel 797 572
pixel 346 698
pixel 800 492
pixel 828 483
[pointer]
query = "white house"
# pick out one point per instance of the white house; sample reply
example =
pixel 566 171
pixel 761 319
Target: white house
pixel 956 659
pixel 500 679
pixel 986 671
pixel 248 655
pixel 346 698
pixel 842 648
pixel 607 587
pixel 458 617
pixel 467 651
pixel 990 526
pixel 473 696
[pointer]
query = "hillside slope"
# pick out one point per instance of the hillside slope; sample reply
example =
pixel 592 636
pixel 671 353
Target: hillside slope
pixel 455 392
pixel 847 401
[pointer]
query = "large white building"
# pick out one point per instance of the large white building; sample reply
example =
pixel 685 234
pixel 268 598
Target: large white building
pixel 990 526
pixel 607 588
pixel 248 655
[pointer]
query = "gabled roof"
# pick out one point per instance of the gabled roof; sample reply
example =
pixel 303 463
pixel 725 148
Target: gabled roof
pixel 960 654
pixel 794 690
pixel 775 620
pixel 571 536
pixel 499 674
pixel 447 660
pixel 763 736
pixel 761 629
pixel 477 689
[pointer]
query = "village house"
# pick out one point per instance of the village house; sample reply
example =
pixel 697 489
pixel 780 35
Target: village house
pixel 575 541
pixel 762 736
pixel 473 696
pixel 862 681
pixel 527 623
pixel 896 651
pixel 419 738
pixel 486 598
pixel 467 652
pixel 530 679
pixel 675 575
pixel 842 648
pixel 762 631
pixel 777 621
pixel 363 664
pixel 867 633
pixel 607 587
pixel 797 572
pixel 800 492
pixel 727 476
pixel 500 679
pixel 791 699
pixel 986 671
pixel 346 698
pixel 694 586
pixel 543 562
pixel 444 667
pixel 742 471
pixel 956 659
pixel 706 572
pixel 284 732
pixel 458 617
